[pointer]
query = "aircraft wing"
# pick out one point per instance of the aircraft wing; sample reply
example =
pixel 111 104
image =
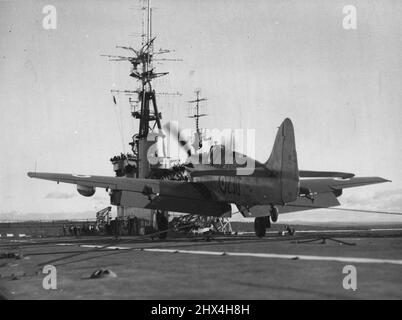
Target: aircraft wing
pixel 112 183
pixel 180 196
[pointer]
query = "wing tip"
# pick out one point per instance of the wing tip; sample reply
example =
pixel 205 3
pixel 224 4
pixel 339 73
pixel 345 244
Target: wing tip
pixel 380 180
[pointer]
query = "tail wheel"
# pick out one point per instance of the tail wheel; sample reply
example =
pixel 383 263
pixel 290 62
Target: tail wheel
pixel 274 214
pixel 260 226
pixel 162 223
pixel 292 231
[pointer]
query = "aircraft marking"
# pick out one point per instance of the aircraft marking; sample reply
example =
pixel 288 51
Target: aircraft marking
pixel 229 185
pixel 81 176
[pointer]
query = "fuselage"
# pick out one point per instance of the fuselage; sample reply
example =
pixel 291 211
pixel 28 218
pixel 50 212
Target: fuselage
pixel 245 190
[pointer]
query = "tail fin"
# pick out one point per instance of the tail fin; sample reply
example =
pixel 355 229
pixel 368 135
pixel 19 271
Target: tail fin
pixel 283 161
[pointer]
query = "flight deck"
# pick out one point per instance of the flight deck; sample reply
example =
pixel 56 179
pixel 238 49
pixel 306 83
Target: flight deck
pixel 307 265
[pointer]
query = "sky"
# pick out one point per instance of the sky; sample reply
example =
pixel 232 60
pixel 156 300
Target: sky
pixel 256 61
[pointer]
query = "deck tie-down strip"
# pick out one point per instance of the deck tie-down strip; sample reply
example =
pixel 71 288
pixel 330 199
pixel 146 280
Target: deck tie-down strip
pixel 281 256
pixel 256 255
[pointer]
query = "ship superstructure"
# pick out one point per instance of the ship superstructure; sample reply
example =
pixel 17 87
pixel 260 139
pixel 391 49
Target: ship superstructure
pixel 148 158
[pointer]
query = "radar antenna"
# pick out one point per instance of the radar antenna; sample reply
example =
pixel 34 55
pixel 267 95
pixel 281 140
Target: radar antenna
pixel 195 110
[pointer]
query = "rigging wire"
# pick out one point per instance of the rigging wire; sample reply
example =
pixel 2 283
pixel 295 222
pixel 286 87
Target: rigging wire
pixel 345 209
pixel 119 126
pixel 122 130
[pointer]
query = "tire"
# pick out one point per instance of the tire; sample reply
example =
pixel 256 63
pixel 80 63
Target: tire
pixel 162 224
pixel 274 214
pixel 260 226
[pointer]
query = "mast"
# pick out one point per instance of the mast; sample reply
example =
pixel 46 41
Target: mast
pixel 197 115
pixel 145 108
pixel 147 160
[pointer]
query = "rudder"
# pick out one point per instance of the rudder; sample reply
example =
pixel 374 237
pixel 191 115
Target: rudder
pixel 283 161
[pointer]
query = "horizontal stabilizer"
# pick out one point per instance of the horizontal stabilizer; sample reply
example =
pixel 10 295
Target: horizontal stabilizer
pixel 328 185
pixel 322 200
pixel 325 174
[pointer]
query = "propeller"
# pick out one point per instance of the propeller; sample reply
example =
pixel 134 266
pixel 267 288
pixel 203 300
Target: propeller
pixel 177 133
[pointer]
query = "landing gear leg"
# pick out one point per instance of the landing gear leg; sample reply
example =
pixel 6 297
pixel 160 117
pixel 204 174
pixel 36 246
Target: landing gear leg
pixel 260 226
pixel 274 213
pixel 162 224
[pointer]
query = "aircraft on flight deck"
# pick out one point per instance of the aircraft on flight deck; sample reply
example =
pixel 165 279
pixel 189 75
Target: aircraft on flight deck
pixel 274 187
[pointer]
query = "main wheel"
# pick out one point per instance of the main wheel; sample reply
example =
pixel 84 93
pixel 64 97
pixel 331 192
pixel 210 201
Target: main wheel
pixel 274 214
pixel 267 223
pixel 260 226
pixel 162 224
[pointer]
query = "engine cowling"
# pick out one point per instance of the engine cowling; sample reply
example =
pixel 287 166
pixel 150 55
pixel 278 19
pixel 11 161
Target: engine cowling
pixel 86 191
